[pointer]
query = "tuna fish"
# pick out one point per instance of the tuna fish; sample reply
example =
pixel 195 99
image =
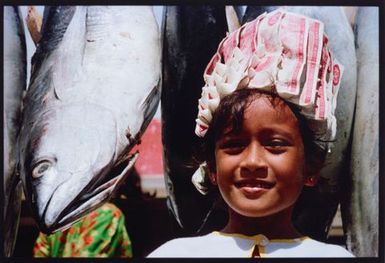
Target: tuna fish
pixel 360 209
pixel 94 88
pixel 315 217
pixel 190 37
pixel 15 69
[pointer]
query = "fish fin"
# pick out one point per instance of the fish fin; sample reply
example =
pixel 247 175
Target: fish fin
pixel 34 21
pixel 232 19
pixel 171 205
pixel 54 26
pixel 43 84
pixel 149 107
pixel 55 94
pixel 124 159
pixel 205 219
pixel 117 174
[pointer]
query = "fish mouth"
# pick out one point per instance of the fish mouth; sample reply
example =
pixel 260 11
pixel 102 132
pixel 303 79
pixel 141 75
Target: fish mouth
pixel 92 197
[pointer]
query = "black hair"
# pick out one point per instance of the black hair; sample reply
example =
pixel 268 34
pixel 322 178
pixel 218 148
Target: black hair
pixel 230 115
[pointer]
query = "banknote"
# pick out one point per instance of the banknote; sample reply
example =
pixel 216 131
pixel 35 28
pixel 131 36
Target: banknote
pixel 293 33
pixel 314 49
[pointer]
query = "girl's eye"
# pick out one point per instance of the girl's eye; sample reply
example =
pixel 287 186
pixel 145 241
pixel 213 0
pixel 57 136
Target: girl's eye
pixel 277 145
pixel 232 147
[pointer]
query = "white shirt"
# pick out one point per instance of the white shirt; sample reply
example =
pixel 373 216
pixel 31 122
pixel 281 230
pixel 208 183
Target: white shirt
pixel 217 244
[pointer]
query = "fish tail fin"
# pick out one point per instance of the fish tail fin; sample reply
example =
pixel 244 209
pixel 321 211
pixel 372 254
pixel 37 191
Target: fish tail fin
pixel 149 106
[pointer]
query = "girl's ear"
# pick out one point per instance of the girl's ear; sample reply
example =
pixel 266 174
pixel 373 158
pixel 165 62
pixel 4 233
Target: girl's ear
pixel 212 172
pixel 311 177
pixel 213 178
pixel 311 181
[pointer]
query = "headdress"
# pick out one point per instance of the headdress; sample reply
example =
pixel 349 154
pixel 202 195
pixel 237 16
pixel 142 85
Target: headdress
pixel 282 52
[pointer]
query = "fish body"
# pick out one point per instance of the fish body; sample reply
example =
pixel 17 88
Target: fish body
pixel 191 35
pixel 315 217
pixel 360 209
pixel 94 88
pixel 15 74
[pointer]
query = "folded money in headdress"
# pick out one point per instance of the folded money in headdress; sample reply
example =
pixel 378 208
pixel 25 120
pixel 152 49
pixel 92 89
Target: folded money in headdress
pixel 281 52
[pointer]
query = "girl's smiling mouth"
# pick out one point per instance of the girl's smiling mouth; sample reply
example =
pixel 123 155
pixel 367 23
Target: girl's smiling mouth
pixel 253 187
pixel 254 183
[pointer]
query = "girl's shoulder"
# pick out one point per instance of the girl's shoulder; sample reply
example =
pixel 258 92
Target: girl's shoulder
pixel 184 247
pixel 305 247
pixel 327 250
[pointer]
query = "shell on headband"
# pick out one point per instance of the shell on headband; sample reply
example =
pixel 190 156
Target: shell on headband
pixel 282 52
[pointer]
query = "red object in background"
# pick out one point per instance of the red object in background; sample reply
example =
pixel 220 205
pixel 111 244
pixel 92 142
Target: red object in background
pixel 150 161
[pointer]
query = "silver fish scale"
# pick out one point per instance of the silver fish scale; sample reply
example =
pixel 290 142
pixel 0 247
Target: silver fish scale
pixel 97 23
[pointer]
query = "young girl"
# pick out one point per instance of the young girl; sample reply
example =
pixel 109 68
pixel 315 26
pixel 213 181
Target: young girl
pixel 266 115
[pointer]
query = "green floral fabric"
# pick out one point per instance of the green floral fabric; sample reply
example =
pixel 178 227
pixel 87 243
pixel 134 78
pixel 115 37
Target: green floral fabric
pixel 102 233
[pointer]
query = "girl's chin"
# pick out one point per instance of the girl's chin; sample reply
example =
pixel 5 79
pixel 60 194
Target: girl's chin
pixel 252 210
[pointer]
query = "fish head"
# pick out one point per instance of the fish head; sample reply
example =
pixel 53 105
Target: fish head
pixel 68 156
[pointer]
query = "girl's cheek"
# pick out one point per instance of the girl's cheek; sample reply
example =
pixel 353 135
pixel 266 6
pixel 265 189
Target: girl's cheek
pixel 227 160
pixel 223 161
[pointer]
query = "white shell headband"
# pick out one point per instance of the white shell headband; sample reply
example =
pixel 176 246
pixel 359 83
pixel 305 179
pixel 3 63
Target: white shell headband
pixel 279 51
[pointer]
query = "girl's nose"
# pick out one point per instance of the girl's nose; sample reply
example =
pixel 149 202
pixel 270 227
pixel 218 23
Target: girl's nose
pixel 254 158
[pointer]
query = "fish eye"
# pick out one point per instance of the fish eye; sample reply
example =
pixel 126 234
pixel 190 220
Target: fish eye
pixel 41 168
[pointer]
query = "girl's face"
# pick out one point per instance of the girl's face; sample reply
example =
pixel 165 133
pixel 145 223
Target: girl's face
pixel 261 170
